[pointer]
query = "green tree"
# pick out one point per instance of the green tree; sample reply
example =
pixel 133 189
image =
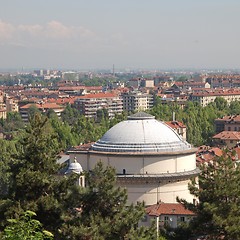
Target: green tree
pixel 102 211
pixel 219 199
pixel 7 148
pixel 34 179
pixel 221 103
pixel 26 228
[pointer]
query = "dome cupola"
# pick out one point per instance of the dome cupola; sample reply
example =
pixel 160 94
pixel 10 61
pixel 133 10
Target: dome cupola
pixel 141 133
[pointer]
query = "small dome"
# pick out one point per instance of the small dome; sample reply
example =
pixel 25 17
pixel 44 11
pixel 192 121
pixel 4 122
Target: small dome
pixel 141 133
pixel 74 167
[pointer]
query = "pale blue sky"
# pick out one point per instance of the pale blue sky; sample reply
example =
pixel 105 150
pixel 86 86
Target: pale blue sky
pixel 88 34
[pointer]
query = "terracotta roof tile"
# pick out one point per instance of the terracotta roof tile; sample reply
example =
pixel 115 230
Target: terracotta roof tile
pixel 227 135
pixel 175 124
pixel 168 209
pixel 99 95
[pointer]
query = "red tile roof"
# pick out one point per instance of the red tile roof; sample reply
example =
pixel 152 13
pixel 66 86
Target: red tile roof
pixel 168 209
pixel 227 135
pixel 235 118
pixel 44 105
pixel 217 92
pixel 175 124
pixel 207 153
pixel 99 95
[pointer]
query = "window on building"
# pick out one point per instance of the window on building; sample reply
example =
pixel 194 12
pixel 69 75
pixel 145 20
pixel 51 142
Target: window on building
pixel 145 218
pixel 166 219
pixel 229 128
pixel 182 219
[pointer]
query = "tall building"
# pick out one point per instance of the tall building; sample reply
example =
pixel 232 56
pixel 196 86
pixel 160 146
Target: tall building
pixel 151 160
pixel 89 104
pixel 137 101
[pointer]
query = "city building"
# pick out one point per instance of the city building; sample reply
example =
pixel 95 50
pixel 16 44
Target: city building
pixel 147 83
pixel 172 215
pixel 227 139
pixel 207 96
pixel 179 127
pixel 42 107
pixel 11 105
pixel 151 160
pixel 137 101
pixel 227 123
pixel 89 104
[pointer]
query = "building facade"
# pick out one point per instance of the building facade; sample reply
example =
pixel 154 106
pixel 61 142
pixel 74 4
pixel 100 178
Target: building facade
pixel 206 97
pixel 227 123
pixel 89 104
pixel 137 101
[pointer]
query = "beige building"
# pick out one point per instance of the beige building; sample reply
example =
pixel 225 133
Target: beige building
pixel 43 107
pixel 167 214
pixel 151 160
pixel 148 83
pixel 11 105
pixel 227 138
pixel 179 127
pixel 207 96
pixel 137 101
pixel 89 104
pixel 227 123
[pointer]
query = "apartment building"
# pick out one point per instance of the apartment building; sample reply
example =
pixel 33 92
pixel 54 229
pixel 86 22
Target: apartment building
pixel 137 101
pixel 11 105
pixel 229 139
pixel 43 107
pixel 224 81
pixel 207 96
pixel 227 123
pixel 179 127
pixel 89 104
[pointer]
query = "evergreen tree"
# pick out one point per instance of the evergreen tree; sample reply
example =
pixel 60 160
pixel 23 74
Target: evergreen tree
pixel 219 196
pixel 34 182
pixel 102 212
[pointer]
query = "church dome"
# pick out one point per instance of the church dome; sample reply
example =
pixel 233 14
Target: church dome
pixel 141 132
pixel 74 167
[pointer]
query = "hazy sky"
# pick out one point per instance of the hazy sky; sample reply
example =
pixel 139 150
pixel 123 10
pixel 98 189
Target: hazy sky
pixel 87 34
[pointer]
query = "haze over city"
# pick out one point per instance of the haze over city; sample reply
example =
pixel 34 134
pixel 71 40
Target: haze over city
pixel 130 34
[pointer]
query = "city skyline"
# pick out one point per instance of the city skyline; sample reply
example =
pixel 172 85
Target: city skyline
pixel 134 34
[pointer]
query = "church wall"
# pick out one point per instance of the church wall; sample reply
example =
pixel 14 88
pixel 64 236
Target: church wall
pixel 152 193
pixel 139 164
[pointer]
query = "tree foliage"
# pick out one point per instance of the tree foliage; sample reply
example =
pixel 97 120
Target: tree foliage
pixel 103 213
pixel 26 227
pixel 98 211
pixel 198 120
pixel 219 199
pixel 34 183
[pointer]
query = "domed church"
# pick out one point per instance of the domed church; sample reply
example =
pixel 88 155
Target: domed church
pixel 151 160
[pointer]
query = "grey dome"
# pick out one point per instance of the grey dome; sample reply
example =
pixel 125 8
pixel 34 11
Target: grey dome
pixel 74 167
pixel 141 133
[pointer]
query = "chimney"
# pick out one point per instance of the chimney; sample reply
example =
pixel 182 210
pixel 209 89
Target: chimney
pixel 173 117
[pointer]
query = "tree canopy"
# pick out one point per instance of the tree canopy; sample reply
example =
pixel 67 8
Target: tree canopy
pixel 97 211
pixel 218 192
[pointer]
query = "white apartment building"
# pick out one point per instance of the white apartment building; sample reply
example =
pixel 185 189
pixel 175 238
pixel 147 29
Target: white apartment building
pixel 206 97
pixel 137 101
pixel 89 104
